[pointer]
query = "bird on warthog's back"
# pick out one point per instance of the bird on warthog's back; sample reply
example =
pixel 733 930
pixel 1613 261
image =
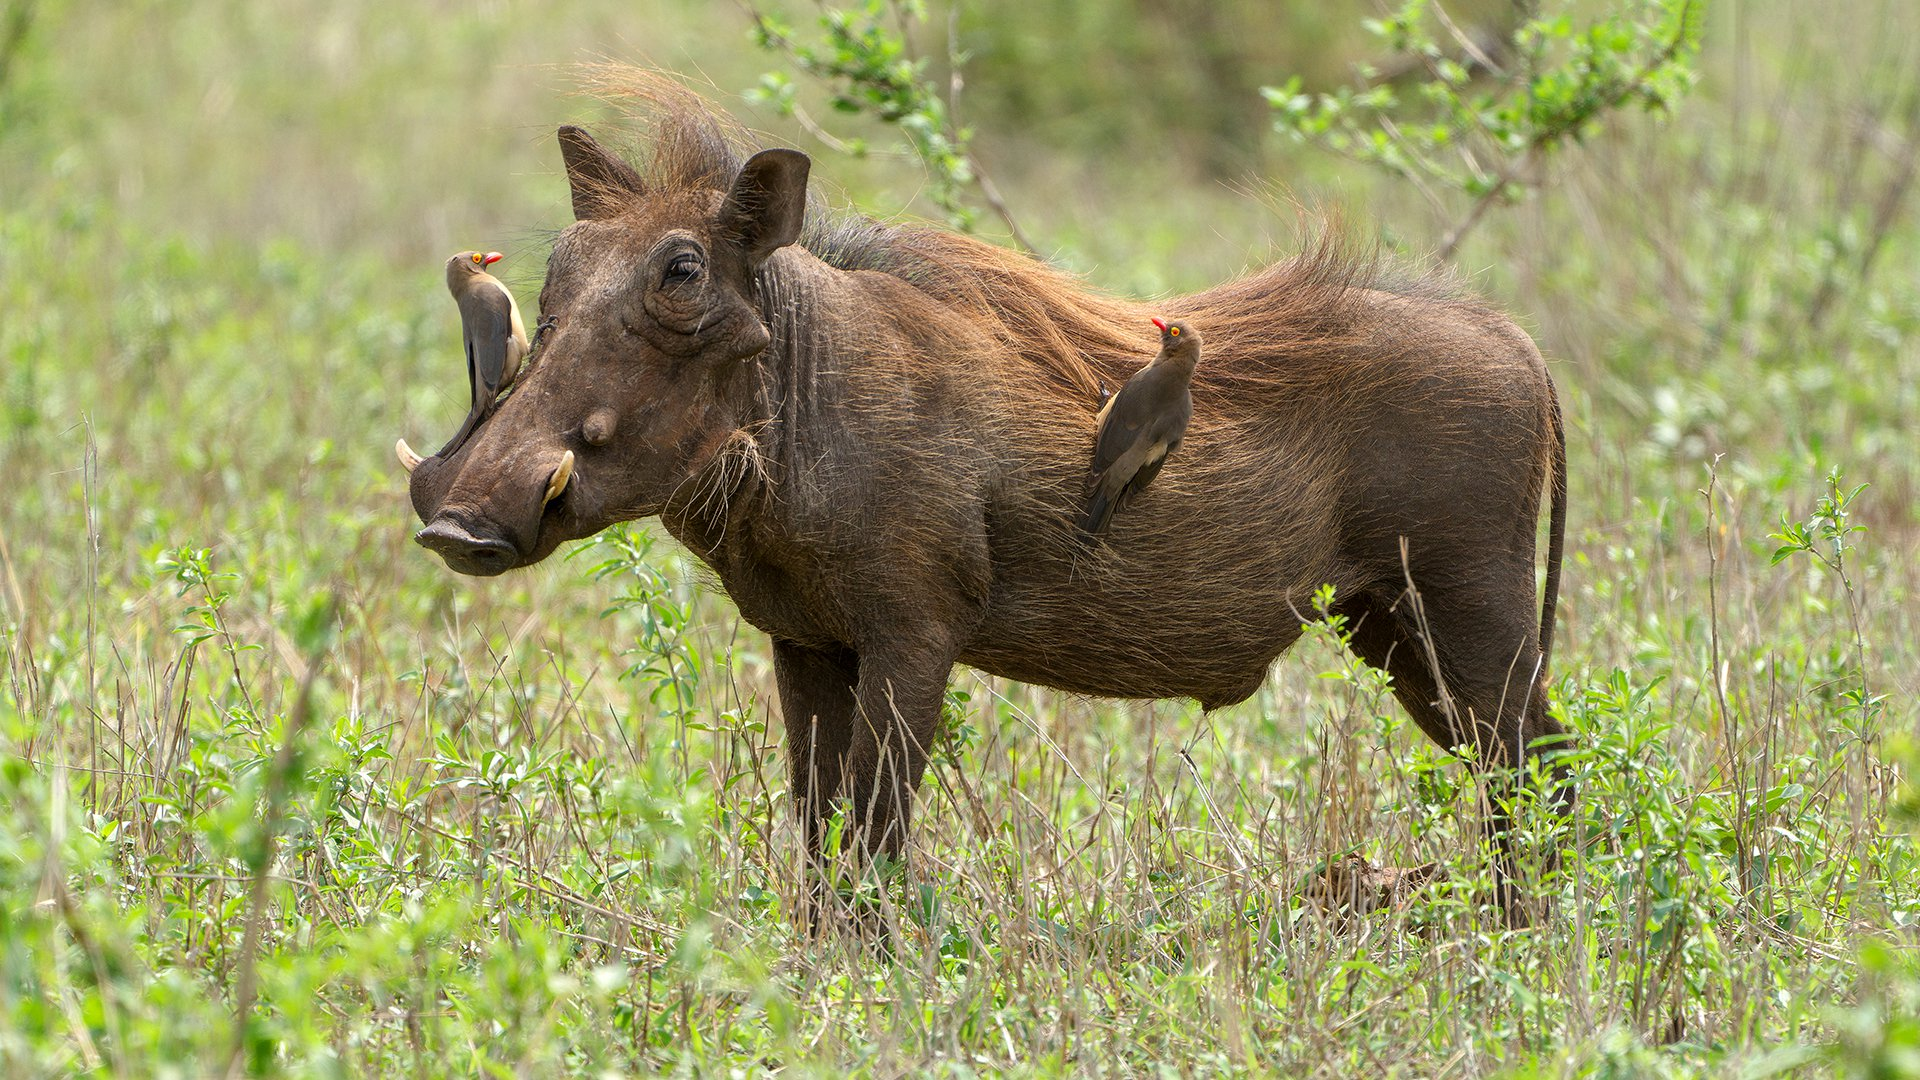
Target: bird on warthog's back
pixel 1141 426
pixel 496 340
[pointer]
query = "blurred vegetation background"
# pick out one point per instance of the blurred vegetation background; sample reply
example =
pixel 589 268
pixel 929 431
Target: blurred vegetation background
pixel 537 824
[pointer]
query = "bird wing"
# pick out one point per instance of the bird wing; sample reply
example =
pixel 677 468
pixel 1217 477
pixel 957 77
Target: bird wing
pixel 1115 479
pixel 486 315
pixel 1123 420
pixel 1158 437
pixel 1156 457
pixel 518 348
pixel 1162 438
pixel 1108 488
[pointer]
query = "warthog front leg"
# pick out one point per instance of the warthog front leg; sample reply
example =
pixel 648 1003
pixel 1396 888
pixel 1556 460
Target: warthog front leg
pixel 816 699
pixel 896 713
pixel 858 727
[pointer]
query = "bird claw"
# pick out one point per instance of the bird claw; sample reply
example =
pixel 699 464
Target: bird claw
pixel 546 323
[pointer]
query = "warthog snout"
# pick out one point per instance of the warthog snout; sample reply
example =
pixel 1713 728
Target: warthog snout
pixel 465 553
pixel 486 514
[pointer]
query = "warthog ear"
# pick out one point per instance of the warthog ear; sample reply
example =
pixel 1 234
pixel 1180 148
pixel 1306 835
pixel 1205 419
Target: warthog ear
pixel 764 210
pixel 603 185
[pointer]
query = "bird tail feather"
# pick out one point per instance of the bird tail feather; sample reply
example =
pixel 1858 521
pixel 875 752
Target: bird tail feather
pixel 466 429
pixel 1099 514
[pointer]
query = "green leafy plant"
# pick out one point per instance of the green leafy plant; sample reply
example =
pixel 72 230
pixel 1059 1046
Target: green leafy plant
pixel 1879 1036
pixel 1825 533
pixel 866 59
pixel 1827 536
pixel 1480 116
pixel 192 570
pixel 663 656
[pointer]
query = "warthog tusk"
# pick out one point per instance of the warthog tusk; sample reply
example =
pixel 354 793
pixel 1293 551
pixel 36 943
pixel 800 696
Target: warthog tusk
pixel 408 459
pixel 560 477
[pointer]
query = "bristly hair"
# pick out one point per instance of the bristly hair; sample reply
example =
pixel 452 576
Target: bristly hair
pixel 690 144
pixel 1083 338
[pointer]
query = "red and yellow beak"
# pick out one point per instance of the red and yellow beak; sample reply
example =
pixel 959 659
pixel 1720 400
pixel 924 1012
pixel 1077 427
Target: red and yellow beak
pixel 490 258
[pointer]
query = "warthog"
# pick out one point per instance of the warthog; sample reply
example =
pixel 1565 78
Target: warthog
pixel 877 437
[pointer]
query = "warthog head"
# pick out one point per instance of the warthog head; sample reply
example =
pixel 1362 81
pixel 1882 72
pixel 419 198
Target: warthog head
pixel 644 374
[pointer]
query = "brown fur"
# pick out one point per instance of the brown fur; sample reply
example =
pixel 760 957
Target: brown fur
pixel 890 487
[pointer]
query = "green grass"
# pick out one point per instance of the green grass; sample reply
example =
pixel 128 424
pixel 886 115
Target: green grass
pixel 538 825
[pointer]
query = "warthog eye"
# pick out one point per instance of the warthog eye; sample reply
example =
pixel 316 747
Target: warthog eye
pixel 684 268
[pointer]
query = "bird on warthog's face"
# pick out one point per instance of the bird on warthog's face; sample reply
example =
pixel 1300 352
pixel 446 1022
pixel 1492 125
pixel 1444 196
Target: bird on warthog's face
pixel 496 340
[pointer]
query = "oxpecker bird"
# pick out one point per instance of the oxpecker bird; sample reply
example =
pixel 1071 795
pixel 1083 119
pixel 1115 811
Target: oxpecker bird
pixel 1141 425
pixel 496 339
